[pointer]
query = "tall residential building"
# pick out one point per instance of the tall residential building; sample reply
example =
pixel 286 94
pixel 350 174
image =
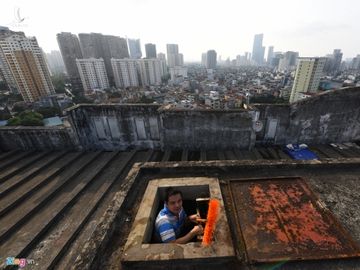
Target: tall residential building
pixel 151 71
pixel 134 48
pixel 258 50
pixel 333 62
pixel 270 54
pixel 5 71
pixel 23 65
pixel 211 59
pixel 337 54
pixel 70 50
pixel 174 58
pixel 95 45
pixel 288 61
pixel 203 59
pixel 355 62
pixel 150 50
pixel 162 58
pixel 125 72
pixel 93 74
pixel 307 77
pixel 56 63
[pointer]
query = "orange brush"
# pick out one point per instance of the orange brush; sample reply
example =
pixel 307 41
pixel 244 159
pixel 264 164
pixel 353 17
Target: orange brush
pixel 212 215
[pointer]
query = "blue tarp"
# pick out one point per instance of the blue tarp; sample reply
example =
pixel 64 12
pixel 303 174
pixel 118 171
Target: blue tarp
pixel 52 121
pixel 3 123
pixel 300 152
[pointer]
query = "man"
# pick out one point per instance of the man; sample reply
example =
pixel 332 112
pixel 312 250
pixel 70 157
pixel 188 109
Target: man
pixel 169 224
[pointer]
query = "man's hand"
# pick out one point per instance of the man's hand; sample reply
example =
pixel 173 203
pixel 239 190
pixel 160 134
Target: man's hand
pixel 194 218
pixel 197 230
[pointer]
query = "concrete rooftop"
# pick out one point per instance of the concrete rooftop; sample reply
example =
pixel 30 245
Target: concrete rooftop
pixel 74 210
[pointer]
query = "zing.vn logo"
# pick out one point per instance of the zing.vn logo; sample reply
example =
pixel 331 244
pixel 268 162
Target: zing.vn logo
pixel 20 262
pixel 19 20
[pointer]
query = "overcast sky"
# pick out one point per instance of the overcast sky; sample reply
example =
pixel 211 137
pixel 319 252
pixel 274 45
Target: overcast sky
pixel 312 27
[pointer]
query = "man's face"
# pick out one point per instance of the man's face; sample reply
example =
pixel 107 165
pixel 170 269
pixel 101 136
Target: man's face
pixel 175 204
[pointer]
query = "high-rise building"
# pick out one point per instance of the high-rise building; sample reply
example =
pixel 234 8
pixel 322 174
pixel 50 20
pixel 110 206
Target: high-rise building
pixel 134 48
pixel 203 59
pixel 288 61
pixel 333 62
pixel 125 72
pixel 337 54
pixel 174 58
pixel 93 74
pixel 23 65
pixel 270 54
pixel 150 50
pixel 180 59
pixel 70 50
pixel 258 50
pixel 307 77
pixel 211 59
pixel 56 63
pixel 355 62
pixel 95 45
pixel 151 71
pixel 162 58
pixel 5 71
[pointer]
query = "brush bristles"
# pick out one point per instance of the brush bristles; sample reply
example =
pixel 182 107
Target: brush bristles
pixel 212 215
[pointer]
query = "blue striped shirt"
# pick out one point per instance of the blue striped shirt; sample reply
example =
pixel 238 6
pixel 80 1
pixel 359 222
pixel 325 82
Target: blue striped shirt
pixel 168 226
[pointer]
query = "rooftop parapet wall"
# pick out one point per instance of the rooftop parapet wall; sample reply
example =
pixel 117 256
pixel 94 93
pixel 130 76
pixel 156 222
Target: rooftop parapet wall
pixel 116 127
pixel 109 127
pixel 333 116
pixel 37 138
pixel 330 117
pixel 207 129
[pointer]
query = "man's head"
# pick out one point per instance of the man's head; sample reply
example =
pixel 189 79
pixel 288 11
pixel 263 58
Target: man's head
pixel 173 200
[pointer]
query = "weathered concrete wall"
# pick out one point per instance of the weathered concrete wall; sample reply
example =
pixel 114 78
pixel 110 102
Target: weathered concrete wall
pixel 116 127
pixel 268 113
pixel 330 117
pixel 333 116
pixel 37 138
pixel 207 129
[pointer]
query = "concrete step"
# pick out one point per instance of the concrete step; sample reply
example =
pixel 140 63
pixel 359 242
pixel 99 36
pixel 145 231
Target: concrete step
pixel 44 218
pixel 39 199
pixel 79 214
pixel 25 187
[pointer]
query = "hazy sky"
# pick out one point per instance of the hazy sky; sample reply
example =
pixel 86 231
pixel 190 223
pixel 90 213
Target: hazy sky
pixel 312 27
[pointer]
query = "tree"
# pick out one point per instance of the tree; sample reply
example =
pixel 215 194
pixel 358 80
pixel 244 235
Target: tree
pixel 15 121
pixel 26 118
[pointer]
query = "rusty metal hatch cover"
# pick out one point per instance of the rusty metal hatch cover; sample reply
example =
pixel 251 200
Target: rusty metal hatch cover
pixel 281 219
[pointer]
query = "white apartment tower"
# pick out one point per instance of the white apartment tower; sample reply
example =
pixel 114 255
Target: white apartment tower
pixel 174 58
pixel 162 58
pixel 151 71
pixel 125 72
pixel 93 74
pixel 307 77
pixel 23 65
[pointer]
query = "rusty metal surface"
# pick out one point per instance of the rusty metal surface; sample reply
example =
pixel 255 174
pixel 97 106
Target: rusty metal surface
pixel 281 220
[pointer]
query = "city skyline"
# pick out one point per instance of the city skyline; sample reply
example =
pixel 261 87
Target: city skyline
pixel 230 32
